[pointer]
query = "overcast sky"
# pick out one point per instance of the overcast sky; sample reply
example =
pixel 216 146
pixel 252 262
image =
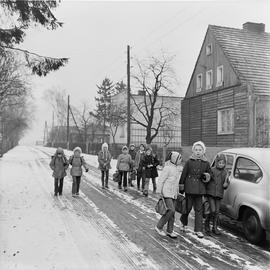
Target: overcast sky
pixel 95 36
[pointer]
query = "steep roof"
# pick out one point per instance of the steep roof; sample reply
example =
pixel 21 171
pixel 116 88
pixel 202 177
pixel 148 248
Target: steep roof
pixel 249 54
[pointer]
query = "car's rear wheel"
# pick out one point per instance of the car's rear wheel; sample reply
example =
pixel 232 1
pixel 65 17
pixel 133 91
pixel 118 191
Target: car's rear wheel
pixel 252 227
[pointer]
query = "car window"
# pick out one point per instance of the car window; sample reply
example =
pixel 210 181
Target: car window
pixel 229 162
pixel 246 169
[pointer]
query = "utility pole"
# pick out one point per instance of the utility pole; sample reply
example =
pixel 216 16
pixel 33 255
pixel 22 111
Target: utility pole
pixel 45 136
pixel 128 95
pixel 68 124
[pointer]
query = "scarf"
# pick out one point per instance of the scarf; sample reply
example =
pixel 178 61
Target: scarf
pixel 203 157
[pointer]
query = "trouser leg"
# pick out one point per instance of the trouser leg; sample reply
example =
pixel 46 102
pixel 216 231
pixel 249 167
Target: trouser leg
pixel 154 184
pixel 106 178
pixel 78 183
pixel 102 178
pixel 125 179
pixel 146 186
pixel 55 186
pixel 60 187
pixel 139 176
pixel 74 184
pixel 168 217
pixel 198 207
pixel 189 204
pixel 120 179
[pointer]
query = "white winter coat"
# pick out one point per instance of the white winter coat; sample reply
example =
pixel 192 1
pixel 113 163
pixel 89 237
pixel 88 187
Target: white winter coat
pixel 168 181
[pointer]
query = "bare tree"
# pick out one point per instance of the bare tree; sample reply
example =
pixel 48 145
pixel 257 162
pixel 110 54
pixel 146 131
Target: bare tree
pixel 154 78
pixel 118 117
pixel 58 100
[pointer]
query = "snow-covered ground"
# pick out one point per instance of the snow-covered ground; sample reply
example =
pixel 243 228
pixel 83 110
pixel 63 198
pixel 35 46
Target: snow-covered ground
pixel 35 233
pixel 102 229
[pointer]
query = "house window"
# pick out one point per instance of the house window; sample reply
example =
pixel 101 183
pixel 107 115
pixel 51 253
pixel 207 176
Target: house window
pixel 209 79
pixel 199 83
pixel 220 76
pixel 208 49
pixel 225 121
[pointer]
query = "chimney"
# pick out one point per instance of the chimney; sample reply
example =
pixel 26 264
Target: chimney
pixel 254 27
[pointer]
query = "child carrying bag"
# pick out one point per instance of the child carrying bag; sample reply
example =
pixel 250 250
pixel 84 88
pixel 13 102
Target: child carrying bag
pixel 116 176
pixel 161 207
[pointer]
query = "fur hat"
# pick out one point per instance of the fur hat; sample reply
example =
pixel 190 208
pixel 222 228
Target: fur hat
pixel 199 143
pixel 206 177
pixel 104 145
pixel 77 149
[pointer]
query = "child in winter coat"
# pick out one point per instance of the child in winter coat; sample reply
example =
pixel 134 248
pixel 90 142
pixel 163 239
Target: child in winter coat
pixel 138 166
pixel 77 161
pixel 104 161
pixel 123 166
pixel 214 191
pixel 59 165
pixel 168 188
pixel 195 174
pixel 149 165
pixel 132 153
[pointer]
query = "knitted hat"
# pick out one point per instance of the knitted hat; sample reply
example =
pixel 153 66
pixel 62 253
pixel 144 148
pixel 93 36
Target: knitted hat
pixel 174 157
pixel 148 148
pixel 220 157
pixel 142 145
pixel 104 145
pixel 77 149
pixel 124 148
pixel 59 150
pixel 132 145
pixel 200 143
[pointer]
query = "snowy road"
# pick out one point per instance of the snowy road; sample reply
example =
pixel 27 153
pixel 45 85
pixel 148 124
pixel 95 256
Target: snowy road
pixel 102 229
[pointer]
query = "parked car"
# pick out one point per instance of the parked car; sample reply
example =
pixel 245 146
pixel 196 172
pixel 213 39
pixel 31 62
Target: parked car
pixel 247 198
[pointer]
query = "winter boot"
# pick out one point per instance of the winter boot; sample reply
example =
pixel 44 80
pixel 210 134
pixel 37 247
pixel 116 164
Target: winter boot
pixel 207 224
pixel 215 230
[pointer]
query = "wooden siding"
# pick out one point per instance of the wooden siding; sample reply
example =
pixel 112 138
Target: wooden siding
pixel 241 118
pixel 209 119
pixel 212 61
pixel 195 114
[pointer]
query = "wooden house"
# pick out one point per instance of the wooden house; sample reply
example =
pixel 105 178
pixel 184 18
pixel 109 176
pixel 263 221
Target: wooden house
pixel 227 103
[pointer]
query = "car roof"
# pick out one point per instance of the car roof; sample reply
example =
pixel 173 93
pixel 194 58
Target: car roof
pixel 262 155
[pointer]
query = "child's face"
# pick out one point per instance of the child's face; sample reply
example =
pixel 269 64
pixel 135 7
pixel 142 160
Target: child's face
pixel 59 154
pixel 198 151
pixel 148 152
pixel 141 148
pixel 125 151
pixel 221 164
pixel 77 153
pixel 132 147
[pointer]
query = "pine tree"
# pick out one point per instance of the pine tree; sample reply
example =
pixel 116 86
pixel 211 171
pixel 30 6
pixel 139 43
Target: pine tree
pixel 26 14
pixel 102 113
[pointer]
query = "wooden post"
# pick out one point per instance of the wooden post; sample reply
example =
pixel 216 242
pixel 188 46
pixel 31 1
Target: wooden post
pixel 128 95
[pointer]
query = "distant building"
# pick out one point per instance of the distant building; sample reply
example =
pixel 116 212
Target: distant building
pixel 227 103
pixel 170 134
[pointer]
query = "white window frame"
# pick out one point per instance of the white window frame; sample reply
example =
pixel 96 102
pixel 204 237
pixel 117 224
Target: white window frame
pixel 225 121
pixel 199 87
pixel 220 82
pixel 208 49
pixel 209 85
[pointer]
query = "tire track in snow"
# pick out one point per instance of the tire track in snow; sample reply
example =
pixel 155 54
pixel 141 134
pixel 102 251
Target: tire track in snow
pixel 218 250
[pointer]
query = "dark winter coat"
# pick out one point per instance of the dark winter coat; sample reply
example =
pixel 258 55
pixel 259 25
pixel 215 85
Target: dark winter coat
pixel 104 160
pixel 149 165
pixel 191 176
pixel 138 161
pixel 59 166
pixel 132 154
pixel 215 186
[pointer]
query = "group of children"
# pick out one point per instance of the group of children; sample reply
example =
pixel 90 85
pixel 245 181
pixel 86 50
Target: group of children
pixel 197 180
pixel 59 165
pixel 142 164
